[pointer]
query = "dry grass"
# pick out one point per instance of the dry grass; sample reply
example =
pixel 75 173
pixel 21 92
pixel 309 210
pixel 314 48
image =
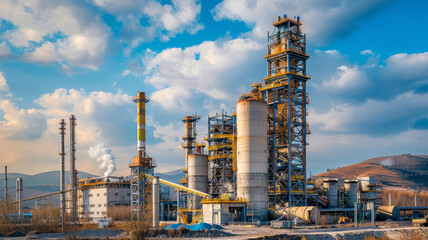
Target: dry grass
pixel 405 198
pixel 46 218
pixel 138 230
pixel 119 213
pixel 371 237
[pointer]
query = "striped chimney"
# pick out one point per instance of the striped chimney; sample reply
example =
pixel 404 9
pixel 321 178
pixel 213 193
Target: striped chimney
pixel 141 101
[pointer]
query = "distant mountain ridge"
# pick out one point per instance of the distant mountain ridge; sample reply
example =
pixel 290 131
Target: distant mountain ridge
pixel 36 184
pixel 406 170
pixel 48 182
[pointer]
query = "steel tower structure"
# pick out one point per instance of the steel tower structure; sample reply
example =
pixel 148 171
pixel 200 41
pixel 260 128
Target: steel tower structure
pixel 221 153
pixel 284 90
pixel 142 166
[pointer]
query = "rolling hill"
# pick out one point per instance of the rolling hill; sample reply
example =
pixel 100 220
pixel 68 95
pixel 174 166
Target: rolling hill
pixel 406 171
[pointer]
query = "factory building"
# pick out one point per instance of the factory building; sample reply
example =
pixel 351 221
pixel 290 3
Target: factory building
pixel 96 195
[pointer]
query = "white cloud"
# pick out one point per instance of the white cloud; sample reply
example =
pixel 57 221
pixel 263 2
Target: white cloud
pixel 348 81
pixel 67 31
pixel 367 52
pixel 324 21
pixel 217 70
pixel 405 66
pixel 4 49
pixel 164 20
pixel 373 117
pixel 3 84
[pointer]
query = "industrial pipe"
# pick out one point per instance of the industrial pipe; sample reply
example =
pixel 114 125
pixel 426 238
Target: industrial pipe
pixel 62 169
pixel 155 201
pixel 19 199
pixel 309 214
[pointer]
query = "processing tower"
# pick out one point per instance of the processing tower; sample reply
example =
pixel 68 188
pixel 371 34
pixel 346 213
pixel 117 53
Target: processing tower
pixel 284 90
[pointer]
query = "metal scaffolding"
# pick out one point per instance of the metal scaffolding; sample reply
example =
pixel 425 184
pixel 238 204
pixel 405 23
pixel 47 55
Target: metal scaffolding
pixel 284 90
pixel 221 144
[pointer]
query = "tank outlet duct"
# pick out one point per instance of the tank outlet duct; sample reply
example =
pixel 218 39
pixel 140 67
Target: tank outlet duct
pixel 197 174
pixel 351 192
pixel 252 156
pixel 19 197
pixel 309 214
pixel 156 201
pixel 388 212
pixel 331 187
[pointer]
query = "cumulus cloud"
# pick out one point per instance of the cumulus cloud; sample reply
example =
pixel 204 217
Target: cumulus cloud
pixel 164 20
pixel 56 31
pixel 217 70
pixel 367 52
pixel 374 117
pixel 324 21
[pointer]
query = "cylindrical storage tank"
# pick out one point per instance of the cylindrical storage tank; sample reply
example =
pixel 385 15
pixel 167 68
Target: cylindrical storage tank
pixel 388 212
pixel 197 175
pixel 309 214
pixel 351 192
pixel 331 187
pixel 251 179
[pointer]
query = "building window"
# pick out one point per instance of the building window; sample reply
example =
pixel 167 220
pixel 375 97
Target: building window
pixel 98 194
pixel 98 213
pixel 105 194
pixel 105 205
pixel 116 194
pixel 99 205
pixel 90 195
pixel 92 205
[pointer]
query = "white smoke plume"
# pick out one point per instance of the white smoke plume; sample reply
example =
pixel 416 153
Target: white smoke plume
pixel 386 162
pixel 104 157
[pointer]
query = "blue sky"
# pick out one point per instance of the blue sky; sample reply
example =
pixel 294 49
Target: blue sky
pixel 368 92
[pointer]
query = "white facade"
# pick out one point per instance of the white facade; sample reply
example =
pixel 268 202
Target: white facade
pixel 94 202
pixel 96 195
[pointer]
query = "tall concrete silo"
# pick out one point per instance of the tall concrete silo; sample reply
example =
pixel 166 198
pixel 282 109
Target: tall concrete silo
pixel 252 156
pixel 331 187
pixel 197 174
pixel 351 192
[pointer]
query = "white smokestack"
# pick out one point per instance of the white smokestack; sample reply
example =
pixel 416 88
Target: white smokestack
pixel 104 158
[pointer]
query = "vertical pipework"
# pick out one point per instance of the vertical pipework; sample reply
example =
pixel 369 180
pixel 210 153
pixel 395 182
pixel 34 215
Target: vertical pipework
pixel 155 201
pixel 141 101
pixel 19 199
pixel 73 168
pixel 62 168
pixel 5 184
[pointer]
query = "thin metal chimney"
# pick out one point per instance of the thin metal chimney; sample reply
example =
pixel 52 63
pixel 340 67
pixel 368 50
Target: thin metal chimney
pixel 73 181
pixel 62 169
pixel 19 199
pixel 5 184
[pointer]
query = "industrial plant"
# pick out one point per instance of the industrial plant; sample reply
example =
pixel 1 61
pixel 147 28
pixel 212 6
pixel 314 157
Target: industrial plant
pixel 250 168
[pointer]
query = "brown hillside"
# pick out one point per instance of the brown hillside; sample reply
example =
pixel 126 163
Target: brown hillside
pixel 389 170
